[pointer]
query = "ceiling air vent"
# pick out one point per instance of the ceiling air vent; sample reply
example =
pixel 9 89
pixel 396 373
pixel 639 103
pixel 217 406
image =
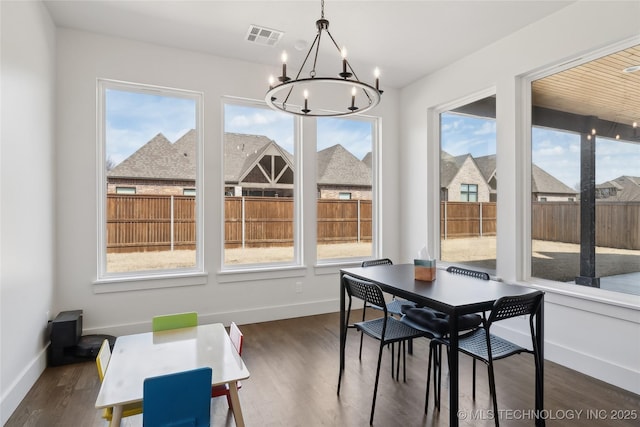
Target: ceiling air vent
pixel 263 35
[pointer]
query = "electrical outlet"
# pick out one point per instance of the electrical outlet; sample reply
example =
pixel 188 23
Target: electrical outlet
pixel 298 287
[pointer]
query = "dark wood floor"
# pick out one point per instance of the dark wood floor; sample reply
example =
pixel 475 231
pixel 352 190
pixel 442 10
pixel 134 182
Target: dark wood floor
pixel 294 374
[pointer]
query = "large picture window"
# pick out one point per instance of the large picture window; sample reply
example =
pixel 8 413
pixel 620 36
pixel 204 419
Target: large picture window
pixel 149 171
pixel 585 174
pixel 259 186
pixel 345 190
pixel 469 185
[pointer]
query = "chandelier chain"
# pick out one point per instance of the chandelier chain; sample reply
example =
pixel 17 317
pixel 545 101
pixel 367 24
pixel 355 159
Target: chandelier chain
pixel 322 9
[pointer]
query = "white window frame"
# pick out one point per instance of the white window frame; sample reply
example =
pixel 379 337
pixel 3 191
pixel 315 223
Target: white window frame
pixel 148 279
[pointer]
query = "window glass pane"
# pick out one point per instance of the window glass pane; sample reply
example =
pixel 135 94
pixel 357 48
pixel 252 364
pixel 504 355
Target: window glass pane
pixel 344 168
pixel 258 185
pixel 468 185
pixel 150 146
pixel 585 181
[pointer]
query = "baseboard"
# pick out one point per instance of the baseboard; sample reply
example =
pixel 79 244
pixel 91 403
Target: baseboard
pixel 598 368
pixel 241 317
pixel 21 386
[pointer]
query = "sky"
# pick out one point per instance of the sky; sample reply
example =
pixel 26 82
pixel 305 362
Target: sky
pixel 556 152
pixel 133 119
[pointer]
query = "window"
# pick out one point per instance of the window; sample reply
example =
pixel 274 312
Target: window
pixel 125 190
pixel 259 186
pixel 468 184
pixel 585 162
pixel 189 192
pixel 469 192
pixel 149 145
pixel 345 188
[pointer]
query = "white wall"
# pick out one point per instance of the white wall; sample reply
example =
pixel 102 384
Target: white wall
pixel 82 58
pixel 575 324
pixel 27 231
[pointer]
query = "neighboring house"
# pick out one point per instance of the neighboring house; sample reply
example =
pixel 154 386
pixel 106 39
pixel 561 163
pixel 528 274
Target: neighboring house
pixel 461 180
pixel 546 188
pixel 621 189
pixel 254 165
pixel 341 175
pixel 462 174
pixel 158 167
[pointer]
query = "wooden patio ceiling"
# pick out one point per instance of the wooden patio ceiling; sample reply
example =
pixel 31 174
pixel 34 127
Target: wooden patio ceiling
pixel 599 88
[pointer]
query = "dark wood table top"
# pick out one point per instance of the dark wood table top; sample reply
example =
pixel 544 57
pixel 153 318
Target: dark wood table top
pixel 449 293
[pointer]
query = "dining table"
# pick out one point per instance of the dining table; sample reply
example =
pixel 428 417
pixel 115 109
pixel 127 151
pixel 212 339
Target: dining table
pixel 139 356
pixel 455 295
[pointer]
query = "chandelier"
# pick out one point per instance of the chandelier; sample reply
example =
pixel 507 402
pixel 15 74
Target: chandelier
pixel 293 95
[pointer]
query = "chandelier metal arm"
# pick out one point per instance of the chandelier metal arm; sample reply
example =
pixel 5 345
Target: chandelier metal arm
pixel 316 42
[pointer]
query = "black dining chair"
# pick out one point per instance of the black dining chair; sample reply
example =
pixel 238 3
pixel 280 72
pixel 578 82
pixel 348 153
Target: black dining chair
pixel 486 347
pixel 436 324
pixel 394 307
pixel 386 329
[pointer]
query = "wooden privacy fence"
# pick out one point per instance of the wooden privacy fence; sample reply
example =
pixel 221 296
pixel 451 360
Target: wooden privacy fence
pixel 139 223
pixel 617 223
pixel 467 219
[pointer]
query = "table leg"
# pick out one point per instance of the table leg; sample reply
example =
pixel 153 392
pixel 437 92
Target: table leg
pixel 235 401
pixel 116 416
pixel 453 370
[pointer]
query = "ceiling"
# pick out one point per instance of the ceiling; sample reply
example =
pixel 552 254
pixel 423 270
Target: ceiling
pixel 598 88
pixel 405 39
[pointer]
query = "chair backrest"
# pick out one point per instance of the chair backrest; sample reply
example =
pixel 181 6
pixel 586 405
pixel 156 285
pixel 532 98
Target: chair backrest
pixel 174 321
pixel 102 359
pixel 466 272
pixel 366 291
pixel 178 399
pixel 236 337
pixel 372 262
pixel 513 306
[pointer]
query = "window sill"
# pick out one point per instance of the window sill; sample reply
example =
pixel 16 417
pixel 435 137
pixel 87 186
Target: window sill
pixel 601 301
pixel 137 283
pixel 243 274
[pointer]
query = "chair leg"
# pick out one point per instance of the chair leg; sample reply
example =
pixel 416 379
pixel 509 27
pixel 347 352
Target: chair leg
pixel 404 362
pixel 473 393
pixel 492 387
pixel 393 359
pixel 439 357
pixel 426 397
pixel 400 349
pixel 375 388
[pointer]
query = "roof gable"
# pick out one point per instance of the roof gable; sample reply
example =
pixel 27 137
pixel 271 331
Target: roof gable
pixel 338 166
pixel 157 159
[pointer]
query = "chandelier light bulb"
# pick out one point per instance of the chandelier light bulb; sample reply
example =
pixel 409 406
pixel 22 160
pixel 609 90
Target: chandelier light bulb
pixel 635 124
pixel 272 81
pixel 306 110
pixel 284 77
pixel 376 74
pixel 593 131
